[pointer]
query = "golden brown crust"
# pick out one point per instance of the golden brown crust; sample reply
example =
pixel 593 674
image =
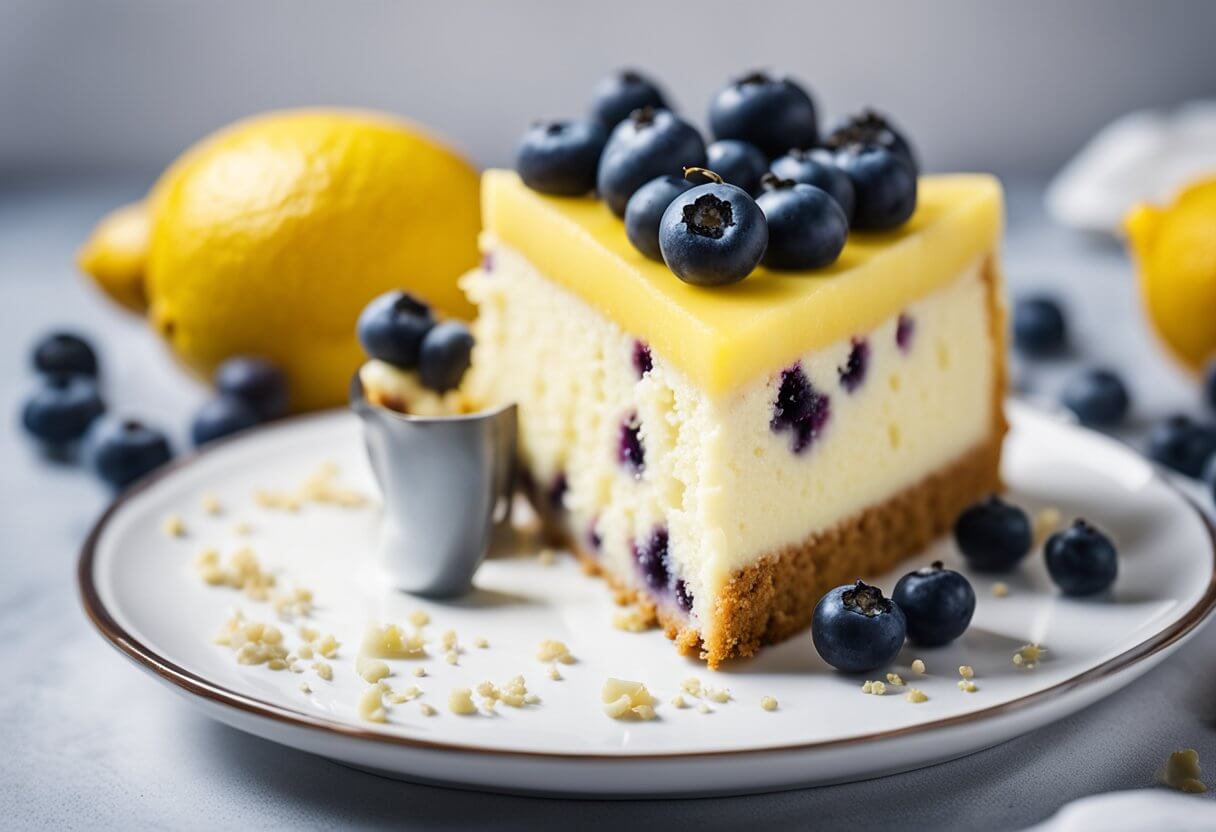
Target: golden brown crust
pixel 775 597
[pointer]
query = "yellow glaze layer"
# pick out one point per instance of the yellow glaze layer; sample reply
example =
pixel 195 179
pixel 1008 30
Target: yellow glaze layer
pixel 724 337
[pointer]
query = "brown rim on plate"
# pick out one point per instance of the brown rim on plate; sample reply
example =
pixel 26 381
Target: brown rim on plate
pixel 192 683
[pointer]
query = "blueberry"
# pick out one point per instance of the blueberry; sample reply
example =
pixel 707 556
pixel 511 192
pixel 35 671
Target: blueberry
pixel 853 373
pixel 1081 560
pixel 651 558
pixel 125 450
pixel 630 452
pixel 817 167
pixel 937 602
pixel 683 595
pixel 561 157
pixel 62 408
pixel 737 162
pixel 65 352
pixel 870 128
pixel 256 382
pixel 1098 397
pixel 713 235
pixel 447 351
pixel 649 143
pixel 1209 385
pixel 905 328
pixel 618 95
pixel 1182 444
pixel 556 493
pixel 392 326
pixel 221 416
pixel 807 229
pixel 770 111
pixel 993 535
pixel 642 361
pixel 856 629
pixel 645 210
pixel 800 409
pixel 1039 327
pixel 884 187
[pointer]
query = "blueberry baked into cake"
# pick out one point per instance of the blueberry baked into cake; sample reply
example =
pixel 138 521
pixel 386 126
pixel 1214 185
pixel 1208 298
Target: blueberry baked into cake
pixel 740 386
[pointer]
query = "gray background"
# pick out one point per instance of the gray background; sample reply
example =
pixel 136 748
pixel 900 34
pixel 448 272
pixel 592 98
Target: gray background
pixel 1013 87
pixel 96 96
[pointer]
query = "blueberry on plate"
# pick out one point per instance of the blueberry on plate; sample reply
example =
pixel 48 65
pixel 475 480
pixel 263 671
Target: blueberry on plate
pixel 713 235
pixel 807 229
pixel 221 416
pixel 871 128
pixel 257 382
pixel 126 449
pixel 618 95
pixel 884 186
pixel 65 352
pixel 1098 397
pixel 856 629
pixel 62 408
pixel 937 602
pixel 737 162
pixel 817 167
pixel 447 351
pixel 561 157
pixel 993 535
pixel 392 326
pixel 645 210
pixel 1182 444
pixel 1081 560
pixel 771 111
pixel 1209 385
pixel 649 143
pixel 1039 328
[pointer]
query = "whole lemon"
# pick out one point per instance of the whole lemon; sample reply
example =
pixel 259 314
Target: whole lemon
pixel 269 237
pixel 1175 253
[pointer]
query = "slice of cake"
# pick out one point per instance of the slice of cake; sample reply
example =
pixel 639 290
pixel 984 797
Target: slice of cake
pixel 728 455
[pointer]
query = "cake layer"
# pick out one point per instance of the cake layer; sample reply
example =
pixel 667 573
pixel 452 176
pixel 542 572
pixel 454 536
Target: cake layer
pixel 723 338
pixel 680 493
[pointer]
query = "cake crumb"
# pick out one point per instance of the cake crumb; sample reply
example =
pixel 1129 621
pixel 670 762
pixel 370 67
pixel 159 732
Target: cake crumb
pixel 633 620
pixel 1028 656
pixel 371 705
pixel 554 673
pixel 243 571
pixel 1182 772
pixel 894 679
pixel 294 604
pixel 174 526
pixel 253 642
pixel 967 686
pixel 547 557
pixel 719 695
pixel 407 695
pixel 554 651
pixel 1046 522
pixel 678 701
pixel 242 529
pixel 918 666
pixel 452 657
pixel 460 701
pixel 324 670
pixel 371 670
pixel 211 505
pixel 966 671
pixel 1000 589
pixel 449 640
pixel 874 688
pixel 426 709
pixel 388 641
pixel 623 699
pixel 482 642
pixel 420 618
pixel 768 703
pixel 704 709
pixel 916 695
pixel 420 671
pixel 305 687
pixel 692 686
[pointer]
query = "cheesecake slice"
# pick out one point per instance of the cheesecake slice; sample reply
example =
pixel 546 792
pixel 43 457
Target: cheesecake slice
pixel 725 456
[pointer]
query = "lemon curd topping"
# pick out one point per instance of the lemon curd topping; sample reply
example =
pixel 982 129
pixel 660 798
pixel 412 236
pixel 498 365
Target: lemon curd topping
pixel 724 337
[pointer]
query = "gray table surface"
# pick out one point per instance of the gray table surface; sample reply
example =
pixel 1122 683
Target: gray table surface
pixel 86 740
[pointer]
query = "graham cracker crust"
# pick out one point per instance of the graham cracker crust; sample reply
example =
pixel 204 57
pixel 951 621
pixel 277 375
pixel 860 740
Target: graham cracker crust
pixel 775 597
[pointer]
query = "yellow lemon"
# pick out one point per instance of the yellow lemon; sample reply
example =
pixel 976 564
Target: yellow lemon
pixel 1175 253
pixel 270 236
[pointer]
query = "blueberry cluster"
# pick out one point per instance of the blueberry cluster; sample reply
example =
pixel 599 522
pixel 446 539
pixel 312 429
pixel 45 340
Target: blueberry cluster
pixel 769 189
pixel 248 392
pixel 401 330
pixel 1099 398
pixel 855 628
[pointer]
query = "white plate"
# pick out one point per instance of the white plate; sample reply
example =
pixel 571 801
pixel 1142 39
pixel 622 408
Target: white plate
pixel 141 590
